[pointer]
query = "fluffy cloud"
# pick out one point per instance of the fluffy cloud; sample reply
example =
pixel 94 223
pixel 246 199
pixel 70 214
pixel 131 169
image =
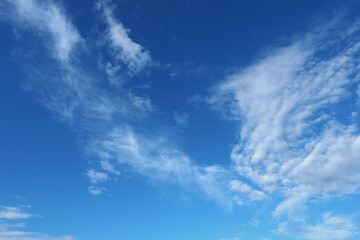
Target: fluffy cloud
pixel 333 164
pixel 237 186
pixel 287 103
pixel 296 109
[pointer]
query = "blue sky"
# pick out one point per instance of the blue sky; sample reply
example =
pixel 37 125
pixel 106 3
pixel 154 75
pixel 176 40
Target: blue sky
pixel 198 120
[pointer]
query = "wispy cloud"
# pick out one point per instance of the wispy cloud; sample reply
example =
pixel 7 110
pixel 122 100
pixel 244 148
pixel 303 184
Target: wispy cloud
pixel 107 119
pixel 48 18
pixel 181 118
pixel 157 159
pixel 123 47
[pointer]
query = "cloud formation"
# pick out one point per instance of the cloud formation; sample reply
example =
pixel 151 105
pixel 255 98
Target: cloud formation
pixel 283 102
pixel 13 213
pixel 123 47
pixel 255 195
pixel 96 177
pixel 48 18
pixel 11 229
pixel 289 105
pixel 295 140
pixel 330 227
pixel 106 118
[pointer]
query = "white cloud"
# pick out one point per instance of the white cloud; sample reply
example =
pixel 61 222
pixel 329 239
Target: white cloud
pixel 298 138
pixel 331 167
pixel 94 190
pixel 103 116
pixel 13 213
pixel 47 17
pixel 129 52
pixel 337 155
pixel 254 195
pixel 281 100
pixel 73 92
pixel 157 159
pixel 96 177
pixel 107 166
pixel 295 201
pixel 286 104
pixel 330 227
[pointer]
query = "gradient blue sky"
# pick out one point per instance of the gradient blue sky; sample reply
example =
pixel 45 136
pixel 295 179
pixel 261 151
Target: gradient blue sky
pixel 181 120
